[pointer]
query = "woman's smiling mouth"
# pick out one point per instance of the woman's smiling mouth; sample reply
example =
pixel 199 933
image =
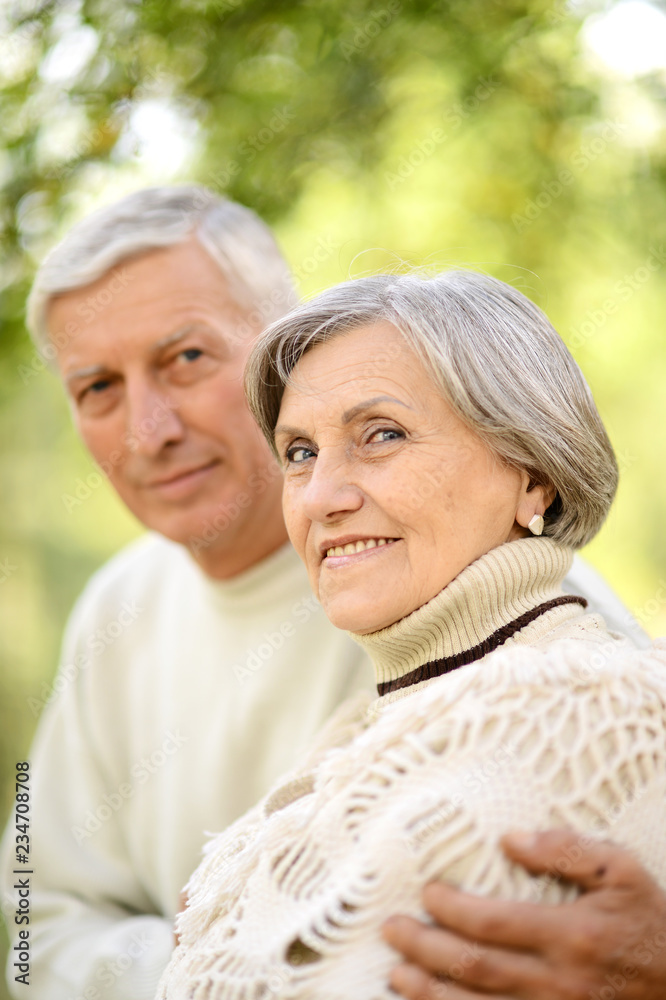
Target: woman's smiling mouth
pixel 351 548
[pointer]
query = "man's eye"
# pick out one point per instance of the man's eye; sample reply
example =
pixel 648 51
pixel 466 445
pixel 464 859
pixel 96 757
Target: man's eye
pixel 299 453
pixel 96 387
pixel 191 353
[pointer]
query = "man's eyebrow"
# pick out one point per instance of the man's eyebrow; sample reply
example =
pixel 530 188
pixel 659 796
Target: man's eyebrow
pixel 349 415
pixel 86 372
pixel 173 338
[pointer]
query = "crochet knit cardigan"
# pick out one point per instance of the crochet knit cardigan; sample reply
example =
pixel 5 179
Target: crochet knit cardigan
pixel 503 706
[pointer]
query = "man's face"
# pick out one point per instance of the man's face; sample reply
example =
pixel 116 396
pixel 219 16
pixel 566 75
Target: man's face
pixel 155 380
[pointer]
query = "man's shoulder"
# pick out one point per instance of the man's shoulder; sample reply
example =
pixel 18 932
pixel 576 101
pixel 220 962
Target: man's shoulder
pixel 141 568
pixel 584 580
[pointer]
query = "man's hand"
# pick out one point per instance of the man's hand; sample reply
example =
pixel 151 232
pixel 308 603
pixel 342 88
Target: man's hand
pixel 609 944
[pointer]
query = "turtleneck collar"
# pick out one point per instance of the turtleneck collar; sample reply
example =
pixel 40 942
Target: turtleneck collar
pixel 488 603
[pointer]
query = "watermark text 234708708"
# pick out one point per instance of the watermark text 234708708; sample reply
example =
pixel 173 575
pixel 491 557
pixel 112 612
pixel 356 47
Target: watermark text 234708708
pixel 21 949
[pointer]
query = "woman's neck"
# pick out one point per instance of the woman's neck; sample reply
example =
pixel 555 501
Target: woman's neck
pixel 492 600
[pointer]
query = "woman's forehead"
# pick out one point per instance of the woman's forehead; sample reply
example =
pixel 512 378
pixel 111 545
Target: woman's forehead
pixel 373 353
pixel 344 379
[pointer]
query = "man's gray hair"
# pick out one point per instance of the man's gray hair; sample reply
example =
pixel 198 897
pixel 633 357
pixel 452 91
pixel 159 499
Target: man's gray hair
pixel 497 361
pixel 237 240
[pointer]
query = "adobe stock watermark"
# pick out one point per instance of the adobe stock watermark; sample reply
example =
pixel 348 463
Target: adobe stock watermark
pixel 7 570
pixel 131 440
pixel 95 644
pixel 45 355
pixel 257 658
pixel 623 290
pixel 280 301
pixel 110 972
pixel 223 7
pixel 588 670
pixel 260 312
pixel 370 29
pixel 564 10
pixel 92 139
pixel 15 48
pixel 141 772
pixel 426 146
pixel 473 780
pixel 470 954
pixel 150 82
pixel 579 161
pixel 249 148
pixel 642 954
pixel 227 513
pixel 430 484
pixel 653 606
pixel 322 251
pixel 561 11
pixel 599 829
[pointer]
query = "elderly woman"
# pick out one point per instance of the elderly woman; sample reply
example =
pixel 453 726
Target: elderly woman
pixel 443 456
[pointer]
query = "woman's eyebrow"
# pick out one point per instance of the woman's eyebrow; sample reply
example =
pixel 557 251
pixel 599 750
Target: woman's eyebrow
pixel 290 431
pixel 349 415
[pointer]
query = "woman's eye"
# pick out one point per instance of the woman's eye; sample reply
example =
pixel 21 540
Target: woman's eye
pixel 386 434
pixel 299 453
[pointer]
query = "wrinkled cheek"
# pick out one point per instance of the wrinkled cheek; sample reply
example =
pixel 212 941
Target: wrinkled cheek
pixel 422 498
pixel 290 512
pixel 327 589
pixel 314 578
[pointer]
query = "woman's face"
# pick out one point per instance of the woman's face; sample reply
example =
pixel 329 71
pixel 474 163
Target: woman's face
pixel 387 495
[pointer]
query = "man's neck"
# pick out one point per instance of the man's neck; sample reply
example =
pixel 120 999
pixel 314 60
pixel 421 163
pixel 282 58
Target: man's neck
pixel 225 562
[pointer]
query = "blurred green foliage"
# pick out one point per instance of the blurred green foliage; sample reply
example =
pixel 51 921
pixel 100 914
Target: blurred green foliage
pixel 473 132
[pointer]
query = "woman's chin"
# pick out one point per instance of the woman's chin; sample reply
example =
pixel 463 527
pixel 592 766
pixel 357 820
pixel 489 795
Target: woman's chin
pixel 358 618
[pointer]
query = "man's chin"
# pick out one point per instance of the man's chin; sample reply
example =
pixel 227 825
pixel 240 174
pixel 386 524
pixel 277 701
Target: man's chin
pixel 196 529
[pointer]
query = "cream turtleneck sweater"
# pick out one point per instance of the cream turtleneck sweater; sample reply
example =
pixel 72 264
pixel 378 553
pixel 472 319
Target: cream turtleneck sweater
pixel 514 592
pixel 502 706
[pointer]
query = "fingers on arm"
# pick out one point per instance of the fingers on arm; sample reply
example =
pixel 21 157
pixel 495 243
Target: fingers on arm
pixel 469 964
pixel 576 857
pixel 415 984
pixel 499 922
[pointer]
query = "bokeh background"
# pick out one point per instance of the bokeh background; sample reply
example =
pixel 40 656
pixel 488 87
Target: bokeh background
pixel 524 138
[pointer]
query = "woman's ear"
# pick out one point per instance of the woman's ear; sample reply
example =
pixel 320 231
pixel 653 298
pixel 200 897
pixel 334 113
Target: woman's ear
pixel 535 500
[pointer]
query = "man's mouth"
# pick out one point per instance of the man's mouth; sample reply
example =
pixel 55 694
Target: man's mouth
pixel 183 477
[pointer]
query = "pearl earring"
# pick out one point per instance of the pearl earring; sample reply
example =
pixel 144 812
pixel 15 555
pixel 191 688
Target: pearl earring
pixel 536 524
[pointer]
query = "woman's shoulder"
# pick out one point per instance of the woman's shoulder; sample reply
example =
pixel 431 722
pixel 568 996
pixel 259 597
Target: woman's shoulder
pixel 518 682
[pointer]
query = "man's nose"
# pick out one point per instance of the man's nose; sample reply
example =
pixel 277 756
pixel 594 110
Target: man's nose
pixel 153 420
pixel 332 490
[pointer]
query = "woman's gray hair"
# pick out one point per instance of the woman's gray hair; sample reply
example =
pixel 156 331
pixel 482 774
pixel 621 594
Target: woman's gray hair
pixel 497 361
pixel 237 240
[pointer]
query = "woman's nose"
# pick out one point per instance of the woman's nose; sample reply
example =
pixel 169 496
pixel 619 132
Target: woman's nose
pixel 331 491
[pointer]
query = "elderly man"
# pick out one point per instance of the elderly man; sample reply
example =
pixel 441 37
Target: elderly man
pixel 186 687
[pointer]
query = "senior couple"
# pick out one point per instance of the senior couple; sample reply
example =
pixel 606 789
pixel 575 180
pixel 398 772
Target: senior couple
pixel 442 457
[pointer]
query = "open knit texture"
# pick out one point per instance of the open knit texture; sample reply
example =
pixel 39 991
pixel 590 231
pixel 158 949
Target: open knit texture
pixel 562 724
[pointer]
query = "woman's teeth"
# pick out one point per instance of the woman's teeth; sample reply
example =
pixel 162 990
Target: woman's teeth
pixel 360 546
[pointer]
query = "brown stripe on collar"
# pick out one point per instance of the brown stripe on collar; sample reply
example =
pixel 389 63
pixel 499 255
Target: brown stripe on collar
pixel 435 668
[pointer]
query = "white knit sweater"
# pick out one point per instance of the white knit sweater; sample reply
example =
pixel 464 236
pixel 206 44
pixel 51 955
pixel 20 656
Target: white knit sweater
pixel 180 701
pixel 543 719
